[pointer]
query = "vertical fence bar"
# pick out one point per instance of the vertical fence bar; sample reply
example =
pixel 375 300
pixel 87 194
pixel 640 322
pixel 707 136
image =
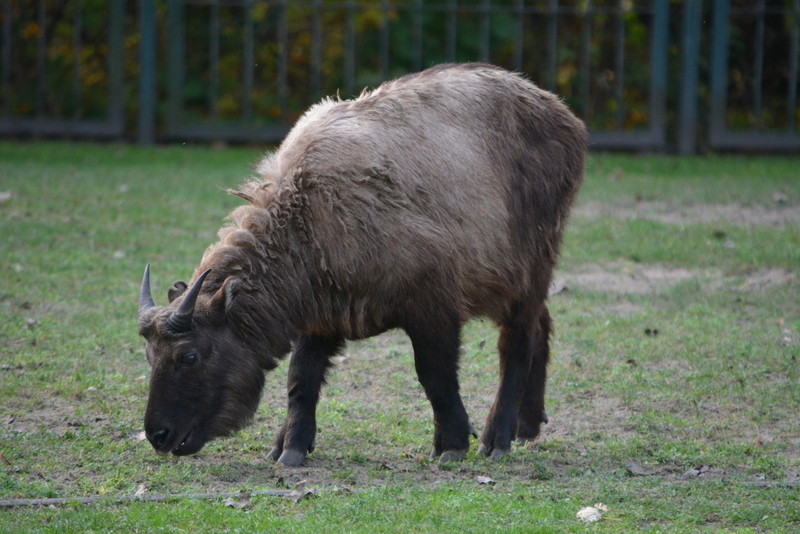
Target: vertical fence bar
pixel 687 112
pixel 619 64
pixel 213 59
pixel 147 69
pixel 283 58
pixel 41 64
pixel 384 46
pixel 350 49
pixel 116 66
pixel 175 66
pixel 77 30
pixel 519 34
pixel 486 19
pixel 758 67
pixel 450 50
pixel 316 50
pixel 585 58
pixel 5 75
pixel 659 47
pixel 791 101
pixel 719 70
pixel 417 36
pixel 248 62
pixel 417 33
pixel 552 44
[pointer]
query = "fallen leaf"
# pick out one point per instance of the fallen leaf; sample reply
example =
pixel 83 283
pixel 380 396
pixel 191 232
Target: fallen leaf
pixel 779 198
pixel 300 492
pixel 589 514
pixel 141 489
pixel 485 480
pixel 5 196
pixel 636 470
pixel 701 471
pixel 233 503
pixel 558 286
pixel 137 437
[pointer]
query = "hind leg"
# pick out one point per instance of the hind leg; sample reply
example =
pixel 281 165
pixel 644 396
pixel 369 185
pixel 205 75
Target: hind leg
pixel 436 350
pixel 531 413
pixel 519 405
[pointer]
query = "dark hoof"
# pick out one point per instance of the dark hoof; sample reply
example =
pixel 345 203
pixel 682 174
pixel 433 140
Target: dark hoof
pixel 472 431
pixel 498 454
pixel 291 458
pixel 274 454
pixel 452 456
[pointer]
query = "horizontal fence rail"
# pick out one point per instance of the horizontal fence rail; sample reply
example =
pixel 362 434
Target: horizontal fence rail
pixel 642 74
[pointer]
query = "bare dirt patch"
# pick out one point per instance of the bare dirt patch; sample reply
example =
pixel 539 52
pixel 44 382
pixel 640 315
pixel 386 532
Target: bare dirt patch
pixel 622 278
pixel 669 213
pixel 631 278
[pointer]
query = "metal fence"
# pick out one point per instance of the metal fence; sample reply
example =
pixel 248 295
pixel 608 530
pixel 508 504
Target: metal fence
pixel 28 74
pixel 643 74
pixel 746 112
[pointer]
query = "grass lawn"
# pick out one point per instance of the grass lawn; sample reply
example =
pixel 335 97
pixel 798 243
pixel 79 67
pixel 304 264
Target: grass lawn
pixel 673 395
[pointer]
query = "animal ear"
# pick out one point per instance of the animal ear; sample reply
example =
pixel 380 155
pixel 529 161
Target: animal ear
pixel 178 289
pixel 223 298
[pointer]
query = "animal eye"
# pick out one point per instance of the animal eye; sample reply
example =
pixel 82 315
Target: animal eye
pixel 188 359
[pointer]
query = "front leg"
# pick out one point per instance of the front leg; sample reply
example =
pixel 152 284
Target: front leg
pixel 310 360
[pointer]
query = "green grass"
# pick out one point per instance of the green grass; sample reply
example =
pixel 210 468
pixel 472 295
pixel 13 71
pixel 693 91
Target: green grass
pixel 719 385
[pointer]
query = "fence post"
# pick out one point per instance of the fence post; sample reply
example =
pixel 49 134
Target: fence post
pixel 116 65
pixel 719 71
pixel 658 75
pixel 690 52
pixel 147 71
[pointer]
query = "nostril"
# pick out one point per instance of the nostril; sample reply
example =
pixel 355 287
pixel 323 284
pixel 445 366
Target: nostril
pixel 159 438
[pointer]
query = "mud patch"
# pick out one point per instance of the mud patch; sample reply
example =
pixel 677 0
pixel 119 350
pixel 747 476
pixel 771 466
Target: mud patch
pixel 668 213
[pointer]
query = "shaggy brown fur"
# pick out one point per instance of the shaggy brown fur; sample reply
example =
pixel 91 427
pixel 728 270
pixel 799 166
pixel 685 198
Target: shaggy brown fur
pixel 437 197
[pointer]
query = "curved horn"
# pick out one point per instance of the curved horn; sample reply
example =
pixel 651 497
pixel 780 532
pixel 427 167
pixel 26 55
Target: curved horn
pixel 145 299
pixel 181 321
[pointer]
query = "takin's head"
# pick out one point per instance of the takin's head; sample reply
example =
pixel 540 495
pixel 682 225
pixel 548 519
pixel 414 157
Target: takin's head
pixel 204 381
